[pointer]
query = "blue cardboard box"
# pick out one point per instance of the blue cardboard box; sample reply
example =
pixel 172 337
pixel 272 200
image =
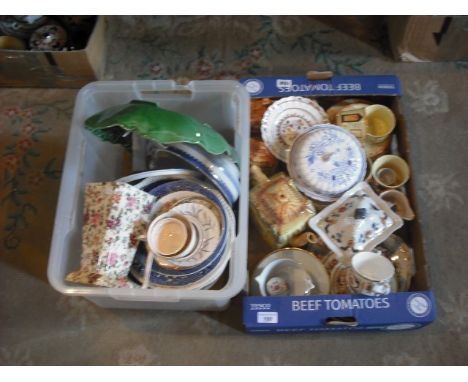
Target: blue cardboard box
pixel 396 311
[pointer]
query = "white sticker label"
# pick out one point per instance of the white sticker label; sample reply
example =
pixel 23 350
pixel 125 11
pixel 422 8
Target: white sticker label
pixel 267 317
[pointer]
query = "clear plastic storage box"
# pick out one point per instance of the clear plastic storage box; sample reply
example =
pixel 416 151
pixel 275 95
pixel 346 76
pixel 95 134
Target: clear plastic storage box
pixel 222 104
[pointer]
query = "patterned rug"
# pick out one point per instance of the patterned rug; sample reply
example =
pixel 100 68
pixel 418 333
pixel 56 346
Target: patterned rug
pixel 40 326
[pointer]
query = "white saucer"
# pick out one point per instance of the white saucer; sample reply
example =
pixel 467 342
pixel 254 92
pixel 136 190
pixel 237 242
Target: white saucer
pixel 287 118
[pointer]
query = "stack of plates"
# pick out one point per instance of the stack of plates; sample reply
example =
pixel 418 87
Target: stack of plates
pixel 190 238
pixel 326 161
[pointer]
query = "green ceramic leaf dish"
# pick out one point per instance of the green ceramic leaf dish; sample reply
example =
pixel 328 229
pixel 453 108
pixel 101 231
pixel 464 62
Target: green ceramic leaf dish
pixel 153 122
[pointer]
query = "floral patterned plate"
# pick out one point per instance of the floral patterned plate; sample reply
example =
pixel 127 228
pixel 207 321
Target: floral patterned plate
pixel 285 119
pixel 357 222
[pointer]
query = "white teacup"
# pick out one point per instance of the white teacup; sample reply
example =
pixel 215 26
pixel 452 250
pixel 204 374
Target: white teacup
pixel 371 274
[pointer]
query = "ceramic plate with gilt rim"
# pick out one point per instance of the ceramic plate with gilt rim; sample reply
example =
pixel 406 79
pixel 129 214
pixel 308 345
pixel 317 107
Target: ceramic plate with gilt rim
pixel 357 222
pixel 285 119
pixel 326 161
pixel 210 233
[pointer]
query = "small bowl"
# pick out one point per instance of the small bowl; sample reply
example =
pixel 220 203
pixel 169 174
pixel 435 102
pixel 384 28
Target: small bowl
pixel 313 278
pixel 284 277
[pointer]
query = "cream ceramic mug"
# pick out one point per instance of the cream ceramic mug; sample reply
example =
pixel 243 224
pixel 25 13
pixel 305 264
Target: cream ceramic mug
pixel 380 122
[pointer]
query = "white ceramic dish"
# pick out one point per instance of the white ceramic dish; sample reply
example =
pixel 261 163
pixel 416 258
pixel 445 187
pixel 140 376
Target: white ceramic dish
pixel 285 277
pixel 287 118
pixel 304 259
pixel 356 222
pixel 326 161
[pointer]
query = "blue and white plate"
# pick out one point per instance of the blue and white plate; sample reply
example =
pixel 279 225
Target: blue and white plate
pixel 219 169
pixel 161 277
pixel 326 161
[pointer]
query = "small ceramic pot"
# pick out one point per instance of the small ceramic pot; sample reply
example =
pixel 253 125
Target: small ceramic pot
pixel 371 274
pixel 258 108
pixel 390 171
pixel 114 215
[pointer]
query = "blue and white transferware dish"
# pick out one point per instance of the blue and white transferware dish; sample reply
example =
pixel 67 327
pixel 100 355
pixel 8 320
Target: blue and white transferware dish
pixel 219 169
pixel 161 277
pixel 287 118
pixel 357 222
pixel 326 161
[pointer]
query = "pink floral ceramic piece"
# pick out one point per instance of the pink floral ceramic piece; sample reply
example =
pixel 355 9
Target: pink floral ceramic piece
pixel 115 214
